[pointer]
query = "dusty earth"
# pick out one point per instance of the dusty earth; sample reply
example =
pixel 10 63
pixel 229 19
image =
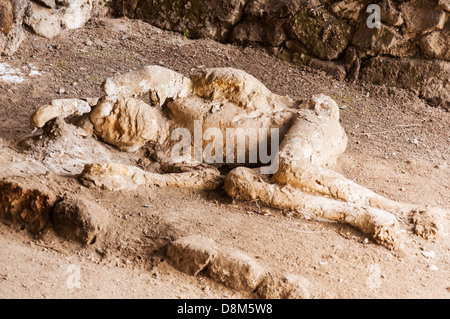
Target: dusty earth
pixel 398 147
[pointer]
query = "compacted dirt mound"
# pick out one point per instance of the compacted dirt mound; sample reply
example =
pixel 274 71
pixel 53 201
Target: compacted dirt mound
pixel 398 146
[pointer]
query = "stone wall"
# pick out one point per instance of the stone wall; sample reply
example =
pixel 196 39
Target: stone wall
pixel 12 13
pixel 46 18
pixel 410 49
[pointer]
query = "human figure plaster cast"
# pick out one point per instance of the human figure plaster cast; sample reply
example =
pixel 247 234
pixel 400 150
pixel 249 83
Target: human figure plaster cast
pixel 310 140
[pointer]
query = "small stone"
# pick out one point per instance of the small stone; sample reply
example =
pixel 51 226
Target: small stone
pixel 44 22
pixel 287 286
pixel 61 90
pixel 191 254
pixel 80 219
pixel 236 270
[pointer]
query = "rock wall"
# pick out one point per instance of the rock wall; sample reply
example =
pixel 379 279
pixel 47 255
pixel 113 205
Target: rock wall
pixel 12 13
pixel 50 17
pixel 329 35
pixel 46 18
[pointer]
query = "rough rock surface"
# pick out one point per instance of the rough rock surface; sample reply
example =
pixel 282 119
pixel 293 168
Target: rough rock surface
pixel 200 18
pixel 7 16
pixel 44 22
pixel 422 16
pixel 26 203
pixel 435 44
pixel 191 254
pixel 12 14
pixel 428 224
pixel 289 286
pixel 334 34
pixel 429 78
pixel 80 219
pixel 46 18
pixel 385 40
pixel 390 14
pixel 49 20
pixel 76 14
pixel 236 270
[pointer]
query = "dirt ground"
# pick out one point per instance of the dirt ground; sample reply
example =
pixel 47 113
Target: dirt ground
pixel 398 147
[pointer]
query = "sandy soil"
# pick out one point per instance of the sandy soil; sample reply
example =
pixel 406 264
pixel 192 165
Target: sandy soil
pixel 398 146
